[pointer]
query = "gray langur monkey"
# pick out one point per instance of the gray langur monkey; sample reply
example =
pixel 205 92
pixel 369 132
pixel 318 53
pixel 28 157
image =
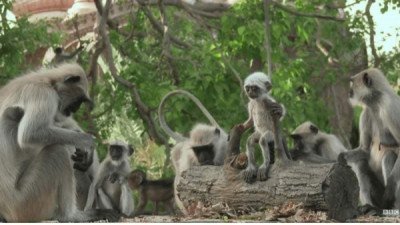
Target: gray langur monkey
pixel 111 194
pixel 86 162
pixel 315 146
pixel 379 135
pixel 37 180
pixel 264 114
pixel 62 57
pixel 205 145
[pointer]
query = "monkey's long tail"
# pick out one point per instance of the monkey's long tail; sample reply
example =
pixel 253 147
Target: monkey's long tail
pixel 161 115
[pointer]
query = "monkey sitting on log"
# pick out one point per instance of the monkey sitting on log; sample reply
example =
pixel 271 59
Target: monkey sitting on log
pixel 315 146
pixel 157 191
pixel 206 145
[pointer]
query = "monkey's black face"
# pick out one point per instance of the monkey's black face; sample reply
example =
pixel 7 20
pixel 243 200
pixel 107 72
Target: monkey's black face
pixel 116 152
pixel 253 91
pixel 205 154
pixel 297 142
pixel 72 93
pixel 75 105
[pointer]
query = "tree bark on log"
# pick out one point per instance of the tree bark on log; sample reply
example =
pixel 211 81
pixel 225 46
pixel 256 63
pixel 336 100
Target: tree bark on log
pixel 331 187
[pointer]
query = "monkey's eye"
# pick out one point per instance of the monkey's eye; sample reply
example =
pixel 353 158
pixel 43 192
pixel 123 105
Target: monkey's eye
pixel 247 88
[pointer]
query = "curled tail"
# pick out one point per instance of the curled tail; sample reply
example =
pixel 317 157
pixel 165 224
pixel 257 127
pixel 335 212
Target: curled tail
pixel 161 115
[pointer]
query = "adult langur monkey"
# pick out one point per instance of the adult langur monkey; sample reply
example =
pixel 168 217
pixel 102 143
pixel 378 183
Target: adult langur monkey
pixel 312 145
pixel 203 140
pixel 379 136
pixel 86 162
pixel 37 180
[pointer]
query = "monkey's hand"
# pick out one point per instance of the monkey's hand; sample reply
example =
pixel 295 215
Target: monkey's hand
pixel 82 160
pixel 276 109
pixel 113 177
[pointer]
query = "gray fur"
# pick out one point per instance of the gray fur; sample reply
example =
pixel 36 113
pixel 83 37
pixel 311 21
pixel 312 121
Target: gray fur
pixel 37 180
pixel 379 131
pixel 257 87
pixel 115 195
pixel 182 154
pixel 314 145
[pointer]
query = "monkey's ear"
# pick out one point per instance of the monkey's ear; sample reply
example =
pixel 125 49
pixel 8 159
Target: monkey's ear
pixel 131 150
pixel 314 129
pixel 367 80
pixel 295 136
pixel 72 79
pixel 268 85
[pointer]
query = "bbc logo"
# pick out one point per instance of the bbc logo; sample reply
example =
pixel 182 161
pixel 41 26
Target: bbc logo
pixel 391 212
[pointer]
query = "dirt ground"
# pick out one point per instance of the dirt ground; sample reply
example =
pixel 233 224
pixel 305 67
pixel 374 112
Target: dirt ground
pixel 172 219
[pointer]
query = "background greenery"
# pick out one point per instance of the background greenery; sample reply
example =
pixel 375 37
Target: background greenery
pixel 234 41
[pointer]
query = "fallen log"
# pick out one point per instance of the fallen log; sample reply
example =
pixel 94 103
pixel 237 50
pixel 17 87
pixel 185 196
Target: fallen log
pixel 331 187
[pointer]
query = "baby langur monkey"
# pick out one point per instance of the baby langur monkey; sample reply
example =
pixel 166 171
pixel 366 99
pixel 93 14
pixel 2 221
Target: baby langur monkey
pixel 264 114
pixel 315 146
pixel 154 190
pixel 113 195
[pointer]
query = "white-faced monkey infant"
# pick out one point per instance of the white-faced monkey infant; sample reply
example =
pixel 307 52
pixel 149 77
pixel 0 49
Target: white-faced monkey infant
pixel 263 110
pixel 154 190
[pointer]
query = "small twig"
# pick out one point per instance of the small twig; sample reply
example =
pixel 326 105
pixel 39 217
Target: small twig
pixel 325 52
pixel 160 29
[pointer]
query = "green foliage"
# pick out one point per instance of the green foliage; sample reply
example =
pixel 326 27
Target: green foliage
pixel 18 39
pixel 301 72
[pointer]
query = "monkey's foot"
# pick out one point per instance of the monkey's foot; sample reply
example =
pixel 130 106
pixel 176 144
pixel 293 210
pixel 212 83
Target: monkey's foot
pixel 262 172
pixel 104 214
pixel 249 174
pixel 369 210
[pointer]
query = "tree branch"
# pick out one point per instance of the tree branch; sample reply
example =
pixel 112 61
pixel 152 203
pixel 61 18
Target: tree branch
pixel 268 35
pixel 166 44
pixel 294 12
pixel 160 29
pixel 377 60
pixel 200 6
pixel 143 110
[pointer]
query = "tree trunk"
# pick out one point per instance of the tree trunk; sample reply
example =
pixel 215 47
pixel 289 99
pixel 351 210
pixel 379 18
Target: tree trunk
pixel 318 186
